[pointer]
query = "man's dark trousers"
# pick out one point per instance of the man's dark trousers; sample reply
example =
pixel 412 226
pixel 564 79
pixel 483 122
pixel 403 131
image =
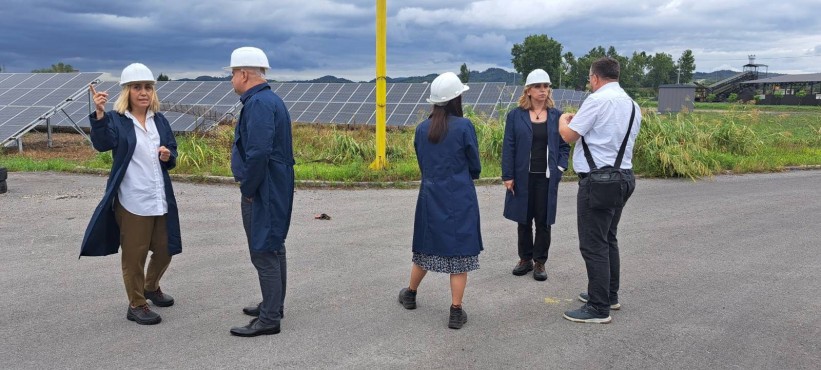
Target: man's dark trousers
pixel 599 246
pixel 272 271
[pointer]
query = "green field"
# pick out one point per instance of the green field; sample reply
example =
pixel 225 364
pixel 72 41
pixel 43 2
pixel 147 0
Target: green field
pixel 736 138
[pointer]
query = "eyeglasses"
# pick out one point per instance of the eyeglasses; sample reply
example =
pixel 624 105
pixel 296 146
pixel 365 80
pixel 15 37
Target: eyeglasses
pixel 540 86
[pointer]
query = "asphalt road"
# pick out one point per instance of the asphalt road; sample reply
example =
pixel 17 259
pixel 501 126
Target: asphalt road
pixel 720 273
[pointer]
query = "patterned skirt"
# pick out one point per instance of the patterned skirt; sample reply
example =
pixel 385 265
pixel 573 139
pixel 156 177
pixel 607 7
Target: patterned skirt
pixel 448 265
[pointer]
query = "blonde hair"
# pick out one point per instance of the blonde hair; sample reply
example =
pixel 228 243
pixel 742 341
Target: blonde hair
pixel 123 102
pixel 526 104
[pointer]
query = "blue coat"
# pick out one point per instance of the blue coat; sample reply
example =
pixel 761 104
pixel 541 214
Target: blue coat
pixel 115 132
pixel 262 161
pixel 516 162
pixel 447 210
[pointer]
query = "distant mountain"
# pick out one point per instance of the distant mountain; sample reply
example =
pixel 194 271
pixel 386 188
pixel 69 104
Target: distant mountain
pixel 327 79
pixel 489 75
pixel 206 78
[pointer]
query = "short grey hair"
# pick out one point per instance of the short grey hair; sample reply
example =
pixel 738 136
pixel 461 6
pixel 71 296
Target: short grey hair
pixel 257 71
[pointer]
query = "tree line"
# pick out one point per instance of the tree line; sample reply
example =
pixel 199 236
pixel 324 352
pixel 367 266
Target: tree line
pixel 639 70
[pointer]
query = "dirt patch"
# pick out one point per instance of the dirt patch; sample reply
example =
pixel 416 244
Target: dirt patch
pixel 68 146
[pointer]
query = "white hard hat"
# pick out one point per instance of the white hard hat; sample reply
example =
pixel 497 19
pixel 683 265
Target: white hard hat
pixel 248 56
pixel 537 76
pixel 445 87
pixel 136 72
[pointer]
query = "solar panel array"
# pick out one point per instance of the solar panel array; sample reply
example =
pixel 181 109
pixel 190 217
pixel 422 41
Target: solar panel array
pixel 27 99
pixel 354 103
pixel 188 105
pixel 200 105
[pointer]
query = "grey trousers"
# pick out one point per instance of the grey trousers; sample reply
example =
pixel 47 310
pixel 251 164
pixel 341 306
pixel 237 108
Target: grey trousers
pixel 272 271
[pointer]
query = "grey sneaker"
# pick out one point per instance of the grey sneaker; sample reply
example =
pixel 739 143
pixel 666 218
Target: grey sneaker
pixel 142 315
pixel 458 318
pixel 523 267
pixel 538 272
pixel 407 298
pixel 587 314
pixel 158 298
pixel 584 297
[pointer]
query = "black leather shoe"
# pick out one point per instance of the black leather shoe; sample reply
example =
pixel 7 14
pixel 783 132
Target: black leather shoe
pixel 538 272
pixel 458 318
pixel 252 310
pixel 253 329
pixel 158 298
pixel 142 315
pixel 523 267
pixel 407 298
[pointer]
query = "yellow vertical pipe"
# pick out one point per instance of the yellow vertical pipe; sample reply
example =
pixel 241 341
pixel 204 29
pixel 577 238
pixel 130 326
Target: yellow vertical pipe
pixel 381 72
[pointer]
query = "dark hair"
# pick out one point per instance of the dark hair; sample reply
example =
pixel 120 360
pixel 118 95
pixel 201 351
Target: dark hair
pixel 606 67
pixel 439 118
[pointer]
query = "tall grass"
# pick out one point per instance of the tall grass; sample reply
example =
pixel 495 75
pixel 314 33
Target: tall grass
pixel 685 145
pixel 741 139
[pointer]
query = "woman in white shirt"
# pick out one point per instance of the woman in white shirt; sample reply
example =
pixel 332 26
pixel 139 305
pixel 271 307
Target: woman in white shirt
pixel 138 211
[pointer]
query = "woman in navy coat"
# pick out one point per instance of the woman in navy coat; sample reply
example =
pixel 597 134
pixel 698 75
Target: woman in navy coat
pixel 138 211
pixel 534 157
pixel 446 232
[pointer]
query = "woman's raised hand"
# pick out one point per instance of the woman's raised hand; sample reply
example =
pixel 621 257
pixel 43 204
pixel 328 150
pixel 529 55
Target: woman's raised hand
pixel 100 98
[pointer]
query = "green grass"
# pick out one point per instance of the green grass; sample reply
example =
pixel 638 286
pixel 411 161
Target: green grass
pixel 739 139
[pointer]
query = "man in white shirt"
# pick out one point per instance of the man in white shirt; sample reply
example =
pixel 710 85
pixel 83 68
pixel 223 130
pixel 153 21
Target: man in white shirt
pixel 608 123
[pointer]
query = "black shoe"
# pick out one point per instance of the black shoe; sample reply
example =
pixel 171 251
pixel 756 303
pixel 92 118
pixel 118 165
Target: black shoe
pixel 143 315
pixel 252 310
pixel 158 298
pixel 407 298
pixel 587 314
pixel 584 297
pixel 253 329
pixel 538 271
pixel 458 317
pixel 523 267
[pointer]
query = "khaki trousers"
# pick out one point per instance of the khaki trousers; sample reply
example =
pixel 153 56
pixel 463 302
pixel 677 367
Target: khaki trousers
pixel 138 235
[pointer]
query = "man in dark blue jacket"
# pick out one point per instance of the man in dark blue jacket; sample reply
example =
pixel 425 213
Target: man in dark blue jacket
pixel 262 161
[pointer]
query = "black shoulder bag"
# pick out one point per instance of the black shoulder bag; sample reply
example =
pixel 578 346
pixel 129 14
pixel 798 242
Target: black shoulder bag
pixel 607 186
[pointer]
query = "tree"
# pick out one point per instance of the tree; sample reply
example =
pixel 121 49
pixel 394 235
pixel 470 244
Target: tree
pixel 57 68
pixel 464 73
pixel 581 69
pixel 662 70
pixel 162 77
pixel 537 51
pixel 568 60
pixel 686 66
pixel 634 73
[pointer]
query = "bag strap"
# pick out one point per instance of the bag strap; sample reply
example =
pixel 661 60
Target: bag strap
pixel 619 157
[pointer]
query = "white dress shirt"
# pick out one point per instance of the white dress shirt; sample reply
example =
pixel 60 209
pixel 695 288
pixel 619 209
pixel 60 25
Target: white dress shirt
pixel 602 121
pixel 142 191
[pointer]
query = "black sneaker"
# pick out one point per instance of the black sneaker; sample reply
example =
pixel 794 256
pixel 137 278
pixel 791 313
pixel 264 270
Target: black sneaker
pixel 407 298
pixel 143 315
pixel 458 318
pixel 158 298
pixel 587 314
pixel 523 267
pixel 538 271
pixel 584 297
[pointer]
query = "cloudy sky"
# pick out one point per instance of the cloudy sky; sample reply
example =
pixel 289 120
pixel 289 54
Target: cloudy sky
pixel 311 38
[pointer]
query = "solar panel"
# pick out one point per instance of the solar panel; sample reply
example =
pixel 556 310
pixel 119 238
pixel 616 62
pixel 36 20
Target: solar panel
pixel 27 99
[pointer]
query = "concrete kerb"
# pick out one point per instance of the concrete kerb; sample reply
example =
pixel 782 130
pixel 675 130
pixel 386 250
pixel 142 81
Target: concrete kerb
pixel 313 184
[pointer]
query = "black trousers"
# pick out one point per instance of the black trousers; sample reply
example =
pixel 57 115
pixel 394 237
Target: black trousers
pixel 599 245
pixel 272 270
pixel 530 249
